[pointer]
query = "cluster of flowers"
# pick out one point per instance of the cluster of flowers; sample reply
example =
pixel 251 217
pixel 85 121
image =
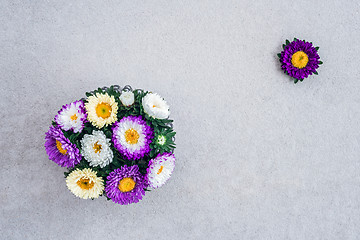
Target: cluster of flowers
pixel 117 143
pixel 299 59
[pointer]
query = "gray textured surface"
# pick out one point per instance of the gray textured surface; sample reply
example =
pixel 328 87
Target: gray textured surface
pixel 258 157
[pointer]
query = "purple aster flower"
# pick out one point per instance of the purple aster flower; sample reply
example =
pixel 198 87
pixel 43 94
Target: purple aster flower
pixel 299 59
pixel 132 137
pixel 60 149
pixel 125 185
pixel 72 116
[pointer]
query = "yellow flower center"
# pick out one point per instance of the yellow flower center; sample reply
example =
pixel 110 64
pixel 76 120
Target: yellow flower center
pixel 59 147
pixel 154 106
pixel 73 117
pixel 131 136
pixel 126 184
pixel 160 170
pixel 103 110
pixel 97 147
pixel 299 59
pixel 84 183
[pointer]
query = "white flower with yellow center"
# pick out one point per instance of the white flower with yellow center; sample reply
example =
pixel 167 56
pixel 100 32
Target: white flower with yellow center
pixel 85 183
pixel 72 117
pixel 160 169
pixel 96 149
pixel 155 106
pixel 132 137
pixel 101 109
pixel 127 98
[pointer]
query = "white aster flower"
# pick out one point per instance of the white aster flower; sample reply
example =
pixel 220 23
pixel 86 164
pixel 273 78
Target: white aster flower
pixel 132 137
pixel 96 149
pixel 85 183
pixel 72 116
pixel 155 106
pixel 160 169
pixel 101 109
pixel 127 98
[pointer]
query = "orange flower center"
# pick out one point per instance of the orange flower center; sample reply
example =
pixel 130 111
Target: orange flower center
pixel 97 147
pixel 103 110
pixel 74 117
pixel 160 169
pixel 299 59
pixel 131 136
pixel 126 184
pixel 84 183
pixel 60 148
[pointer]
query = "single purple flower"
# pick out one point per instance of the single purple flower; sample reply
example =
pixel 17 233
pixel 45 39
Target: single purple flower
pixel 132 137
pixel 72 116
pixel 60 149
pixel 299 59
pixel 125 185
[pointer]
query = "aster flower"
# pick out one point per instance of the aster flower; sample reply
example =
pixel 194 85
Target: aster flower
pixel 299 59
pixel 125 185
pixel 96 149
pixel 60 149
pixel 101 109
pixel 155 106
pixel 132 137
pixel 127 98
pixel 160 169
pixel 85 183
pixel 72 116
pixel 163 140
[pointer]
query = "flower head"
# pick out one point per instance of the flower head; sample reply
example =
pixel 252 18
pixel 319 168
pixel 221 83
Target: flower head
pixel 299 59
pixel 127 98
pixel 72 116
pixel 164 140
pixel 155 106
pixel 101 109
pixel 160 169
pixel 96 149
pixel 60 149
pixel 125 185
pixel 85 183
pixel 132 137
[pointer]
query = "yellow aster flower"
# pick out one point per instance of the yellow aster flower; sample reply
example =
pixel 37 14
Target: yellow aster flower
pixel 101 109
pixel 85 183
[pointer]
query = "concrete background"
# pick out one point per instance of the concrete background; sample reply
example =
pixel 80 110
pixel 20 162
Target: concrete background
pixel 257 156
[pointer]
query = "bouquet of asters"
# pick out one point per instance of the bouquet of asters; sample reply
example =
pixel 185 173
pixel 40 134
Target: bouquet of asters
pixel 115 142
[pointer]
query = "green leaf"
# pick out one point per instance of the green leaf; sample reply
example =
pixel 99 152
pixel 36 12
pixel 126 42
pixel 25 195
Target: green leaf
pixel 296 80
pixel 279 55
pixel 287 42
pixel 320 62
pixel 284 46
pixel 317 48
pixel 316 73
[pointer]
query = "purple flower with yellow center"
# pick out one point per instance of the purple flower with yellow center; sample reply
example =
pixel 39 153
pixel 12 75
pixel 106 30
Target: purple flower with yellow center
pixel 60 149
pixel 72 117
pixel 125 185
pixel 299 59
pixel 132 137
